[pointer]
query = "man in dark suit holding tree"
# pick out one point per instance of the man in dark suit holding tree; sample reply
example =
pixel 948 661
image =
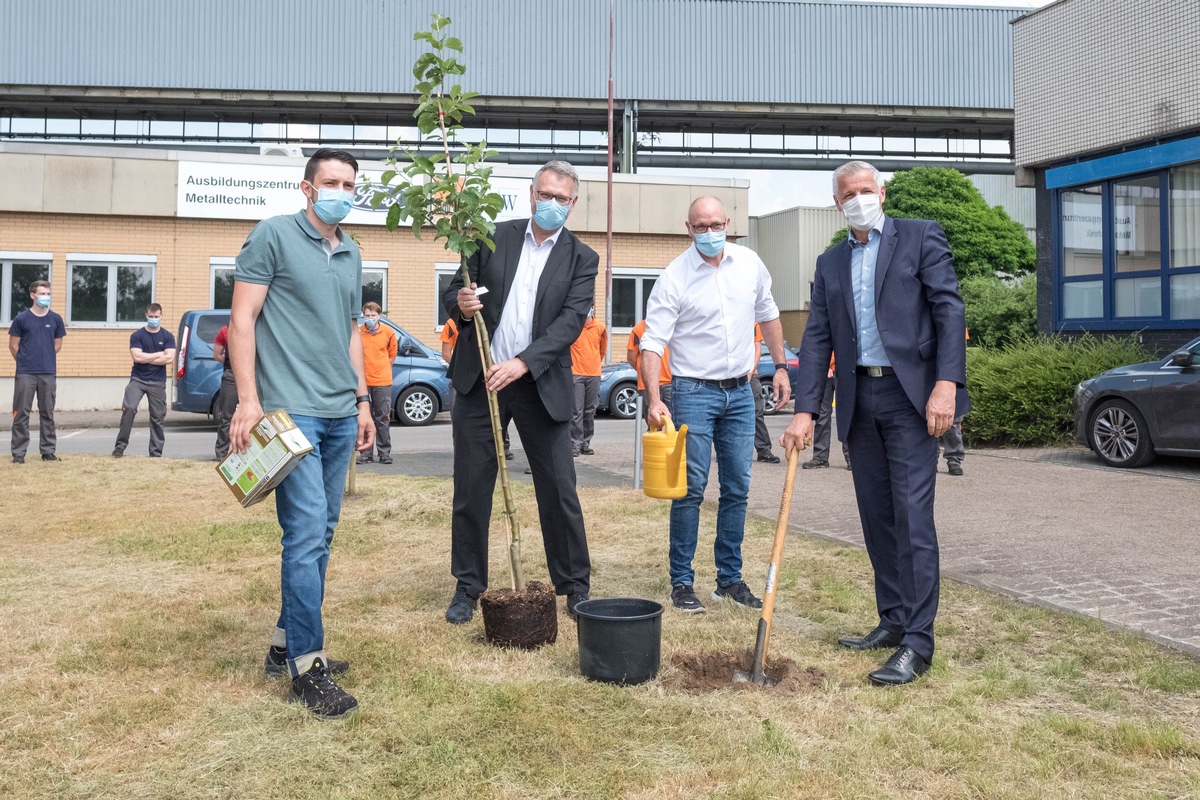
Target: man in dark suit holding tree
pixel 541 282
pixel 886 302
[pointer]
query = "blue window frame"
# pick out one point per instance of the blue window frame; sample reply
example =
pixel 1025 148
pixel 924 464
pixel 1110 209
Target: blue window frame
pixel 1126 239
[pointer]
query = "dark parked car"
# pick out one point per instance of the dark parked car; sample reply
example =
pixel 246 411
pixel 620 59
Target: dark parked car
pixel 420 388
pixel 1130 414
pixel 618 384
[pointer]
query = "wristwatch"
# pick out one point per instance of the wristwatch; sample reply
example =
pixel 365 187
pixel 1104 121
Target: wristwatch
pixel 781 367
pixel 362 398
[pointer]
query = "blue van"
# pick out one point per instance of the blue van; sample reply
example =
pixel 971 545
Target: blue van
pixel 420 388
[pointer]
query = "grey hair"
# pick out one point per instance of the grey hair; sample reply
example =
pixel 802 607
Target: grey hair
pixel 852 167
pixel 559 168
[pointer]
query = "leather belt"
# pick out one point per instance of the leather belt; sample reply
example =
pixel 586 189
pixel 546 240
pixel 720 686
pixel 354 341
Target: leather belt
pixel 726 383
pixel 874 372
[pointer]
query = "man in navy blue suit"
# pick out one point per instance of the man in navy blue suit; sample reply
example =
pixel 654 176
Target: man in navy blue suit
pixel 886 302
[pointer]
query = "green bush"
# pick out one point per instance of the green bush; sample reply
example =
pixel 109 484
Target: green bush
pixel 1024 393
pixel 1000 311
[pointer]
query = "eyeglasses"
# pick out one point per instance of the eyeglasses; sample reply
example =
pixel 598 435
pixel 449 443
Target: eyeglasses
pixel 558 198
pixel 716 227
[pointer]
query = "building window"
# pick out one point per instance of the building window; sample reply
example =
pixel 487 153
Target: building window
pixel 374 283
pixel 445 274
pixel 220 294
pixel 630 293
pixel 1128 250
pixel 109 289
pixel 17 272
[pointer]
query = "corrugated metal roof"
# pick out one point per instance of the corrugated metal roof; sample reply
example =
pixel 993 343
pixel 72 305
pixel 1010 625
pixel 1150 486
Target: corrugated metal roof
pixel 721 51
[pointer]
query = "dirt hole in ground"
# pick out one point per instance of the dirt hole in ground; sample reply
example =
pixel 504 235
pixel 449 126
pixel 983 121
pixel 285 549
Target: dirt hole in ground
pixel 697 673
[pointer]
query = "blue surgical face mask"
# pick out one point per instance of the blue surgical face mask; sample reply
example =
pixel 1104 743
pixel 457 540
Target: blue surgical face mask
pixel 549 215
pixel 333 205
pixel 372 322
pixel 710 243
pixel 43 300
pixel 153 322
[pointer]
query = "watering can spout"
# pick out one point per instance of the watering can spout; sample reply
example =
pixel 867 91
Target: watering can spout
pixel 665 463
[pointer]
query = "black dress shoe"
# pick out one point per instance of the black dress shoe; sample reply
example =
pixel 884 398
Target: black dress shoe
pixel 905 666
pixel 876 638
pixel 462 608
pixel 574 599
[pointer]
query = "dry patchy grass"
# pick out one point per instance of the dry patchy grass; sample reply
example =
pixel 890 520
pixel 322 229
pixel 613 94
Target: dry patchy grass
pixel 137 602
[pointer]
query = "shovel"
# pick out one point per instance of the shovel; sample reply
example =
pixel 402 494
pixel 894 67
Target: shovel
pixel 756 674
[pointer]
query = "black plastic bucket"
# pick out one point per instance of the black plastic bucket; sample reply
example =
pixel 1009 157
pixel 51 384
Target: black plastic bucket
pixel 620 639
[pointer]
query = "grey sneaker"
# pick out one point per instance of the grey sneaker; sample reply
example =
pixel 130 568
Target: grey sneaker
pixel 118 452
pixel 683 597
pixel 275 664
pixel 739 593
pixel 320 694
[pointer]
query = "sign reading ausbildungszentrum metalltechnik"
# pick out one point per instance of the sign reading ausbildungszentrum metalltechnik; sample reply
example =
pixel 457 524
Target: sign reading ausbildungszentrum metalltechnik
pixel 227 190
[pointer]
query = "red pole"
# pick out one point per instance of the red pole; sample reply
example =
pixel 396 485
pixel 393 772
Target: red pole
pixel 608 258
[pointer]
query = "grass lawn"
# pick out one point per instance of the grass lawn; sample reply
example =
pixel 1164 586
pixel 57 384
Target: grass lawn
pixel 136 603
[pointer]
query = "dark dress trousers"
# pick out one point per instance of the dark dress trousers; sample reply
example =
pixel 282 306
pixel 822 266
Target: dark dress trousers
pixel 882 419
pixel 539 404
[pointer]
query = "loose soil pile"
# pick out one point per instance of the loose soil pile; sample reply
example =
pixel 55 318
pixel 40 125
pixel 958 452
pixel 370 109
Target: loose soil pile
pixel 697 673
pixel 527 619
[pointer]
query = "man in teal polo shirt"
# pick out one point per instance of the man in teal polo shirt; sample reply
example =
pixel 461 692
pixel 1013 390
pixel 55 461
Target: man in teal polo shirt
pixel 293 336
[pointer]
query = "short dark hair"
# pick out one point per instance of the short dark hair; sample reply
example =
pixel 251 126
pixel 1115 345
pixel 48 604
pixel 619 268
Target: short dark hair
pixel 33 287
pixel 154 308
pixel 328 154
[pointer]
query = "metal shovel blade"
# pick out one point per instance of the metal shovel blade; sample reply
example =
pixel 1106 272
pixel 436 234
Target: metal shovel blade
pixel 757 677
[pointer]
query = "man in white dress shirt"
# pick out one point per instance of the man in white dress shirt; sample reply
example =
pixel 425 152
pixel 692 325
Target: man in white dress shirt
pixel 704 306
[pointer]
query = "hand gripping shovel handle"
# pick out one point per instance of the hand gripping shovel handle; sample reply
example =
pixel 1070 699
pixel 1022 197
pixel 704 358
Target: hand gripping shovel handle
pixel 768 608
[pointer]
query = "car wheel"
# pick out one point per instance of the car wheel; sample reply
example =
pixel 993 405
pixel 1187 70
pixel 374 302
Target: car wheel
pixel 1119 435
pixel 768 396
pixel 622 403
pixel 416 405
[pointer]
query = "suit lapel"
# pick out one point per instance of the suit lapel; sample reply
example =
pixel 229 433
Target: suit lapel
pixel 847 281
pixel 508 255
pixel 558 257
pixel 887 248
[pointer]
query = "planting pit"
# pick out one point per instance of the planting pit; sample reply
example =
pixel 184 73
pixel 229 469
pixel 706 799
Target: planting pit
pixel 699 673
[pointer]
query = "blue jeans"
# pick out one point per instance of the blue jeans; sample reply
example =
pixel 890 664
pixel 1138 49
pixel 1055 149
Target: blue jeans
pixel 723 418
pixel 307 505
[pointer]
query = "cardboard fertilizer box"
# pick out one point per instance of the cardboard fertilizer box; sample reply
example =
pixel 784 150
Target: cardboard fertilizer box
pixel 276 447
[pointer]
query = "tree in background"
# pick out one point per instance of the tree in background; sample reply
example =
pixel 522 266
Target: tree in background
pixel 992 253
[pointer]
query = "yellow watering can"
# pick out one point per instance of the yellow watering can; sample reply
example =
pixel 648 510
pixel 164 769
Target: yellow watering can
pixel 664 462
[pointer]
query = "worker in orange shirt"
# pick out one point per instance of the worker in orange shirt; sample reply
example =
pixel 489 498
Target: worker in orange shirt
pixel 448 338
pixel 762 438
pixel 379 351
pixel 633 354
pixel 823 425
pixel 952 442
pixel 587 354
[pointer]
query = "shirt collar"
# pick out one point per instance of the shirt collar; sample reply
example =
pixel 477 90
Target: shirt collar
pixel 873 234
pixel 306 225
pixel 698 260
pixel 552 238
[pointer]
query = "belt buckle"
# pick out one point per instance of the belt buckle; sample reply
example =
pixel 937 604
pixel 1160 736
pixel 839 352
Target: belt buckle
pixel 875 372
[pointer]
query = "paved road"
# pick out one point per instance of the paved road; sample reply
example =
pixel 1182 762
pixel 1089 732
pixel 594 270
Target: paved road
pixel 1048 526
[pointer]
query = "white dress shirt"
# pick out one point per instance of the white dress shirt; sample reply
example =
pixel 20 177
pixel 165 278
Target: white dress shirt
pixel 515 331
pixel 707 314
